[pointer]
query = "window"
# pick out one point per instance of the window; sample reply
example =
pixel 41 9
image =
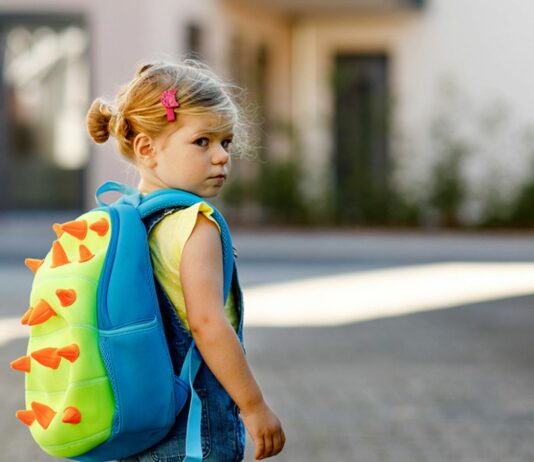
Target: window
pixel 45 94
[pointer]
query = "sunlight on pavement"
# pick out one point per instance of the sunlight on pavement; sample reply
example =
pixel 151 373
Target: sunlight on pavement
pixel 360 296
pixel 11 329
pixel 373 294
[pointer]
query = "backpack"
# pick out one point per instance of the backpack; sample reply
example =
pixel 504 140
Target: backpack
pixel 99 380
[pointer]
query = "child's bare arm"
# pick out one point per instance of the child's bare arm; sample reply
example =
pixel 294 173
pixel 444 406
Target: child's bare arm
pixel 202 282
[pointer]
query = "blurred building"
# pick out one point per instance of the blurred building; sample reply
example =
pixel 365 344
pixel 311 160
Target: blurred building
pixel 356 90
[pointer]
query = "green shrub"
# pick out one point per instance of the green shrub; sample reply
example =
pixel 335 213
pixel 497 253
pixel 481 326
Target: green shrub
pixel 277 190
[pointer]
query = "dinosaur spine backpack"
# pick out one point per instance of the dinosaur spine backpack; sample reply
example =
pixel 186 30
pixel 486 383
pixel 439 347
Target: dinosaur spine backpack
pixel 99 380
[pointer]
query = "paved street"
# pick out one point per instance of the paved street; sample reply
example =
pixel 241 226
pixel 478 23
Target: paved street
pixel 450 385
pixel 446 385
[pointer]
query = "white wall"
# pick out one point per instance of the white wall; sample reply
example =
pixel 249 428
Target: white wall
pixel 481 47
pixel 484 48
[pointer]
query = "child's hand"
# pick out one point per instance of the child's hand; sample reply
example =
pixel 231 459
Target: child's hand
pixel 265 430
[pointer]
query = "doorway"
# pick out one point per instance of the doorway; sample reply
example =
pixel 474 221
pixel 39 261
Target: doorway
pixel 361 163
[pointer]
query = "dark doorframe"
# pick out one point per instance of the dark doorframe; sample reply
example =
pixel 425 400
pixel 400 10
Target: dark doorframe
pixel 361 161
pixel 10 180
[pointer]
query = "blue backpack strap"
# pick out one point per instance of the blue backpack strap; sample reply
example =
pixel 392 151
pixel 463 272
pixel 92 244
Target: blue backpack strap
pixel 165 198
pixel 193 441
pixel 127 191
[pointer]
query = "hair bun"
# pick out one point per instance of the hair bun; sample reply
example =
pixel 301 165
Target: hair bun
pixel 98 118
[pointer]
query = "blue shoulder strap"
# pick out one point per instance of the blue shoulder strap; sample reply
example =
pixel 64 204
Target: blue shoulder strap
pixel 193 440
pixel 146 205
pixel 165 198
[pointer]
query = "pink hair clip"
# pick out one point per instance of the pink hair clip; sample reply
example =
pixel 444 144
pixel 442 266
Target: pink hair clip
pixel 168 99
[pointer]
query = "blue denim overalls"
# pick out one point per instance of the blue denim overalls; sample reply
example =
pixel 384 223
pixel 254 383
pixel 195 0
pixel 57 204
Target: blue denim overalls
pixel 223 433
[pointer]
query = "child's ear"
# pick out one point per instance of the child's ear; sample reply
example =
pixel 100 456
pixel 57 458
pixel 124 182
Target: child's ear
pixel 144 150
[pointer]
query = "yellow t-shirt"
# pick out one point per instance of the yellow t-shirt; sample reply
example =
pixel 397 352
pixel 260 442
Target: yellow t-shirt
pixel 166 242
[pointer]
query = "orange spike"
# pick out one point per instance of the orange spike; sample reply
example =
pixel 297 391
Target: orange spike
pixel 66 296
pixel 85 254
pixel 57 229
pixel 22 364
pixel 70 352
pixel 71 415
pixel 100 227
pixel 33 263
pixel 25 319
pixel 47 357
pixel 43 414
pixel 27 417
pixel 76 228
pixel 41 313
pixel 59 257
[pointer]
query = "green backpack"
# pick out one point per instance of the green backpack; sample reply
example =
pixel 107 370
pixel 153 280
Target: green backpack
pixel 100 383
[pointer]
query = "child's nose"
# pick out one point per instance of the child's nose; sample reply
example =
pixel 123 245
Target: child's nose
pixel 221 156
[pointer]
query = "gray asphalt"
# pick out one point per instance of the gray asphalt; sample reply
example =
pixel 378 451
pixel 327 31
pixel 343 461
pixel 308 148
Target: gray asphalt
pixel 446 385
pixel 450 385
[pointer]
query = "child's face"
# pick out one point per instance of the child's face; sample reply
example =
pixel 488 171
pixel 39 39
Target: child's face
pixel 190 157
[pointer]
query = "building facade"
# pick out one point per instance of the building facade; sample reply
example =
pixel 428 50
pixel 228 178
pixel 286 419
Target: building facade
pixel 368 95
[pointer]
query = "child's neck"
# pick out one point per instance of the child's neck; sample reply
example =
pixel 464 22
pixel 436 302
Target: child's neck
pixel 145 187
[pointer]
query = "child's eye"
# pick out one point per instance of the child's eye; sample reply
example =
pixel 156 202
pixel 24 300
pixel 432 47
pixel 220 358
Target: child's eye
pixel 201 140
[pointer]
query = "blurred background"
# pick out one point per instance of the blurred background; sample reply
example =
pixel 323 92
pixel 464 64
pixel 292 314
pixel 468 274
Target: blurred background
pixel 384 227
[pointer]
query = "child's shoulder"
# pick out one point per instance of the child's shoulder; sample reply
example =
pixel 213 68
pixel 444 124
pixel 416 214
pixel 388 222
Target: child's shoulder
pixel 177 227
pixel 189 216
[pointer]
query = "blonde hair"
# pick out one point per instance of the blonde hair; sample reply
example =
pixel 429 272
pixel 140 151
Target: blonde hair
pixel 137 107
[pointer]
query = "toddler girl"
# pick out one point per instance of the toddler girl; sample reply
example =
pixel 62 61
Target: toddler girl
pixel 175 124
